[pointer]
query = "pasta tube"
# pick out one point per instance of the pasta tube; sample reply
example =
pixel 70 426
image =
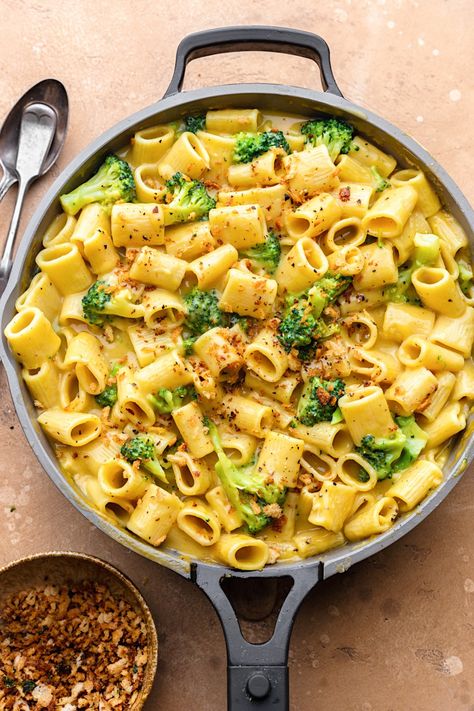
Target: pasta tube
pixel 439 291
pixel 414 484
pixel 304 264
pixel 314 217
pixel 65 267
pixel 43 384
pixel 213 266
pixel 85 353
pixel 137 224
pixel 31 337
pixel 60 230
pixel 279 459
pixel 154 515
pixel 73 428
pixel 242 226
pixel 249 416
pixel 215 348
pixel 366 412
pixel 190 422
pixel 369 155
pixel 310 172
pixel 248 294
pixel 41 294
pixel 332 505
pixel 233 120
pixel 199 522
pixel 372 519
pixel 158 269
pixel 120 479
pixel 266 356
pixel 411 391
pixel 150 144
pixel 416 351
pixel 187 155
pixel 315 541
pixel 242 552
pixel 229 518
pixel 271 200
pixel 428 202
pixel 192 476
pixel 388 215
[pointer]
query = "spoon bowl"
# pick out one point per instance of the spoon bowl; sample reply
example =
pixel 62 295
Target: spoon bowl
pixel 47 91
pixel 33 136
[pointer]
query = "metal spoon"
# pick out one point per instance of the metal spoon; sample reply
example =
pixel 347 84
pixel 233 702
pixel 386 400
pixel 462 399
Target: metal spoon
pixel 48 91
pixel 37 129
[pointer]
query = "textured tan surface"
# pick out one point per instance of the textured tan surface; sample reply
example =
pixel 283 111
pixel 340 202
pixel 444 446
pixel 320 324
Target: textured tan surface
pixel 396 632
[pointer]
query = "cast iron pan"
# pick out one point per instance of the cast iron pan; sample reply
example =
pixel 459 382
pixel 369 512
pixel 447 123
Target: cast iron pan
pixel 257 674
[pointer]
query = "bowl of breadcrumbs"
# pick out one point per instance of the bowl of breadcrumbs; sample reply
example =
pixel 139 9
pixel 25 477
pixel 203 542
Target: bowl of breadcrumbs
pixel 75 633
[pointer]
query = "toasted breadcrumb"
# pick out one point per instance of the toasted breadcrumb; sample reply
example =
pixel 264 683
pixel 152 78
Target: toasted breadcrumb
pixel 70 647
pixel 272 510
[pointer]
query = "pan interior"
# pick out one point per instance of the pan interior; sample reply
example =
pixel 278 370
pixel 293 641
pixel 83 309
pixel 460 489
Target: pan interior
pixel 273 98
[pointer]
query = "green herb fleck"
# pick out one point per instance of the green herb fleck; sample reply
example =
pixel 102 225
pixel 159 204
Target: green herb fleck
pixel 28 685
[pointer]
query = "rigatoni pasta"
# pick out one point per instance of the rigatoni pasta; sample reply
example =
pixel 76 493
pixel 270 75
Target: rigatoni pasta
pixel 255 344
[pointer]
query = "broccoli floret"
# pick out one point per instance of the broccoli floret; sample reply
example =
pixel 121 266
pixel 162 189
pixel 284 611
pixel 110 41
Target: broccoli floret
pixel 426 253
pixel 195 123
pixel 246 489
pixel 319 400
pixel 465 276
pixel 297 327
pixel 186 200
pixel 106 298
pixel 403 292
pixel 301 323
pixel 244 322
pixel 380 183
pixel 416 440
pixel 249 146
pixel 326 290
pixel 108 397
pixel 203 311
pixel 188 345
pixel 308 352
pixel 142 449
pixel 267 253
pixel 112 182
pixel 165 401
pixel 335 134
pixel 382 452
pixel 300 329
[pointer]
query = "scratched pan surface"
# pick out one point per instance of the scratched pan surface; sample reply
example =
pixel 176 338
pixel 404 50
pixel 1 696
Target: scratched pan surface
pixel 257 674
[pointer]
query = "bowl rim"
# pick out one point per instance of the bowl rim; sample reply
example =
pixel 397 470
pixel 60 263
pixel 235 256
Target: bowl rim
pixel 237 95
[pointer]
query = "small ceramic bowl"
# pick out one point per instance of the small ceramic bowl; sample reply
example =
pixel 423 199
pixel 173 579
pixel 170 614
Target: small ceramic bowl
pixel 57 568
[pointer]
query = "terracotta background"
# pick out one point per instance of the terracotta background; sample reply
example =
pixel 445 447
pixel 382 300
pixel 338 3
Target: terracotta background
pixel 395 633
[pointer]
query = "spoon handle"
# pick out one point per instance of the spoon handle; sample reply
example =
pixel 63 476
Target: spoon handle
pixel 5 184
pixel 6 261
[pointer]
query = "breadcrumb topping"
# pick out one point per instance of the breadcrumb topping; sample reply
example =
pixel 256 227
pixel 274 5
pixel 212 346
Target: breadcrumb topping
pixel 70 647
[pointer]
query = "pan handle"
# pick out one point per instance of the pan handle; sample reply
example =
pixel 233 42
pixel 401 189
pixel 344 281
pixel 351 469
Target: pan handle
pixel 256 37
pixel 257 674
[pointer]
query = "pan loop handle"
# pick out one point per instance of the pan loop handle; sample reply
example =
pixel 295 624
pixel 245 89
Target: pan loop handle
pixel 253 37
pixel 257 674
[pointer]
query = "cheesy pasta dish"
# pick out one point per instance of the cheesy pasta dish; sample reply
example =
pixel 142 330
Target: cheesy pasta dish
pixel 249 336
